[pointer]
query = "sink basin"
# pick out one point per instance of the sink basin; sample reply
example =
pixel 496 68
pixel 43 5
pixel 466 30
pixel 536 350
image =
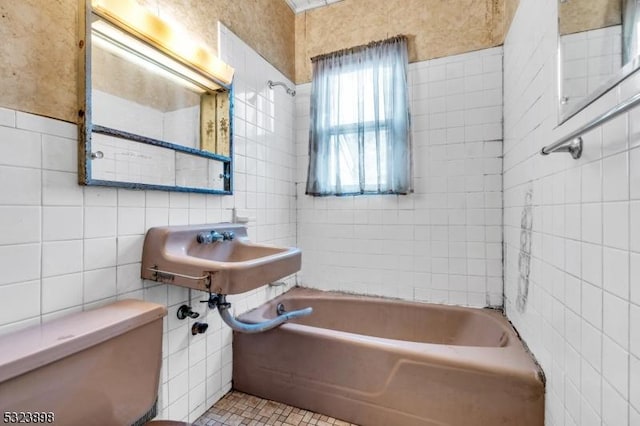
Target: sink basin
pixel 233 251
pixel 172 254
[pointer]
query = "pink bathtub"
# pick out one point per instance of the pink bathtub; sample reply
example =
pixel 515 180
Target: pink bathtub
pixel 374 361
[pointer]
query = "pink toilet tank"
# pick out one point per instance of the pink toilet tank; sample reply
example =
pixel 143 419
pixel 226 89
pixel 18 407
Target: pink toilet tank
pixel 99 367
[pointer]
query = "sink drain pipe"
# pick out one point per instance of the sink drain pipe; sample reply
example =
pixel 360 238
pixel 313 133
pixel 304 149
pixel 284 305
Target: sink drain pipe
pixel 219 301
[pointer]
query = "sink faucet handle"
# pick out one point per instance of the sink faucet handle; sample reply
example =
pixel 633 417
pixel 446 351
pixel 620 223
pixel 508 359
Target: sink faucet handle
pixel 204 238
pixel 228 235
pixel 209 237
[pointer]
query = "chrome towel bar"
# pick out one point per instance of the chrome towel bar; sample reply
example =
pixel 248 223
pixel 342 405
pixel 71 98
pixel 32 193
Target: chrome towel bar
pixel 575 141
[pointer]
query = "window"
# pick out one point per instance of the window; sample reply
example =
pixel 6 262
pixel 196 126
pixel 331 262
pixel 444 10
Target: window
pixel 359 139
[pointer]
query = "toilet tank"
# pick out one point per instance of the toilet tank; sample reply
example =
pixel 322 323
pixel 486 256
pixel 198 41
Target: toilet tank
pixel 99 367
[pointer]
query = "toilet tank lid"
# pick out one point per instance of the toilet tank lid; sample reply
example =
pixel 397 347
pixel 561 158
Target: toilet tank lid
pixel 27 349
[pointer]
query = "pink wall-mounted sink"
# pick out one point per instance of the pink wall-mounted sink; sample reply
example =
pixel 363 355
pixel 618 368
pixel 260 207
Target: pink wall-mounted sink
pixel 218 258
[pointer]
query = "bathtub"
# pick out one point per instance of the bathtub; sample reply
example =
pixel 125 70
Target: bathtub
pixel 374 361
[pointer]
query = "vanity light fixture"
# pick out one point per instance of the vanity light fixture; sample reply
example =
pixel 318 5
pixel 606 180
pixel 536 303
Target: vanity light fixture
pixel 119 43
pixel 193 61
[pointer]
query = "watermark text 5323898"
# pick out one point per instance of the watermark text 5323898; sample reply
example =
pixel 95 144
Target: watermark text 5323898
pixel 30 417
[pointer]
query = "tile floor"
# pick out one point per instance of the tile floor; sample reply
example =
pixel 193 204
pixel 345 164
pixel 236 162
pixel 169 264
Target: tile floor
pixel 237 408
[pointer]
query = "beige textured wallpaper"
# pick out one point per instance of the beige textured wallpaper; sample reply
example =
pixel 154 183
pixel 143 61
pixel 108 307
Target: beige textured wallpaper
pixel 38 53
pixel 435 28
pixel 38 57
pixel 265 25
pixel 583 15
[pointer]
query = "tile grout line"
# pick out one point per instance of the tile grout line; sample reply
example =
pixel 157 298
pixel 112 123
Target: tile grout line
pixel 41 225
pixel 627 116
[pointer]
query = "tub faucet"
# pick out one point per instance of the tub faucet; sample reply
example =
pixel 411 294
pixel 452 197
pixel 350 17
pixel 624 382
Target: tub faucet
pixel 214 236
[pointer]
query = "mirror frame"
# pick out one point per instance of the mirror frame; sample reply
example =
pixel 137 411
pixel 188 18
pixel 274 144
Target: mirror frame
pixel 611 83
pixel 86 127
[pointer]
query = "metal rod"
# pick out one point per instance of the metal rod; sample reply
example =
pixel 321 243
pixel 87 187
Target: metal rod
pixel 603 118
pixel 271 83
pixel 189 277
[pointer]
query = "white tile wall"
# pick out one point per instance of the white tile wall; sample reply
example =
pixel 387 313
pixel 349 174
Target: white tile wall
pixel 442 243
pixel 581 320
pixel 65 248
pixel 589 58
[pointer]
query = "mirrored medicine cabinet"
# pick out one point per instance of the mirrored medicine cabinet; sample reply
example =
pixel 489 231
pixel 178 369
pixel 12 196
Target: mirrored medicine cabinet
pixel 156 111
pixel 598 47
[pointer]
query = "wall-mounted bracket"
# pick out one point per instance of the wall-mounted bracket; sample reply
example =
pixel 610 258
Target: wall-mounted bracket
pixel 574 148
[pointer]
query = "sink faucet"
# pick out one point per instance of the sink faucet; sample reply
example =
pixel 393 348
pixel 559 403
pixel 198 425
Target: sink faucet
pixel 214 236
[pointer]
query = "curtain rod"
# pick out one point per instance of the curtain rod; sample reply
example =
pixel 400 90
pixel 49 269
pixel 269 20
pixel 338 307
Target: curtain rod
pixel 361 47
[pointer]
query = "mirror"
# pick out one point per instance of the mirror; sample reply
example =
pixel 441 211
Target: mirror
pixel 598 48
pixel 152 120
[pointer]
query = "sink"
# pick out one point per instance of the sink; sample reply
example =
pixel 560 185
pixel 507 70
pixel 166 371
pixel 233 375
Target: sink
pixel 234 251
pixel 172 254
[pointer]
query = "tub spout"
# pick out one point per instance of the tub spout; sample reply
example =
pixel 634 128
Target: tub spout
pixel 243 327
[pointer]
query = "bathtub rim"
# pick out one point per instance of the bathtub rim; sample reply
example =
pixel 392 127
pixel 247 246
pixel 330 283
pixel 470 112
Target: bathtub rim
pixel 512 360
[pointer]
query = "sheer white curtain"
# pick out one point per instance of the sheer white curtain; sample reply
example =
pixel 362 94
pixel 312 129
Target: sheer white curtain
pixel 359 138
